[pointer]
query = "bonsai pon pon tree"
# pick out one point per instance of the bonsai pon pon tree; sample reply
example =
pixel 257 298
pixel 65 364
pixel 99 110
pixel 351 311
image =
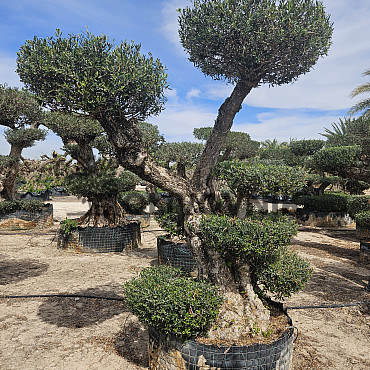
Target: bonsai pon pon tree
pixel 22 115
pixel 245 42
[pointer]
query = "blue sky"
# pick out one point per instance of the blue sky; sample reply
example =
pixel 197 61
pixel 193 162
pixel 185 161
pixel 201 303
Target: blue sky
pixel 299 110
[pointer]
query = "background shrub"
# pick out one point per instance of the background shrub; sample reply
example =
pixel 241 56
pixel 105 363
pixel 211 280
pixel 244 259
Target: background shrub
pixel 358 203
pixel 31 205
pixel 363 219
pixel 169 216
pixel 134 202
pixel 168 301
pixel 329 202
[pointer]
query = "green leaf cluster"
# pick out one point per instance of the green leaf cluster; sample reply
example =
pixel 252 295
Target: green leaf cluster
pixel 18 108
pixel 168 217
pixel 262 41
pixel 134 202
pixel 332 159
pixel 260 178
pixel 286 275
pixel 363 219
pixel 87 73
pixel 358 203
pixel 68 225
pixel 103 185
pixel 24 137
pixel 166 300
pixel 261 242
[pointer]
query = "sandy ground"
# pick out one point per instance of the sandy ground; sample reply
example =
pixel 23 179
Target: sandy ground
pixel 82 333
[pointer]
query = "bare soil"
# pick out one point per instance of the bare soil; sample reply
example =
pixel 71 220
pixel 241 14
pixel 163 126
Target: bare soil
pixel 92 333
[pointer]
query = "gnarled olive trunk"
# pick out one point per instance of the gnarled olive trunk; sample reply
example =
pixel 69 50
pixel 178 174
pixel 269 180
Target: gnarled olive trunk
pixel 242 310
pixel 103 212
pixel 9 191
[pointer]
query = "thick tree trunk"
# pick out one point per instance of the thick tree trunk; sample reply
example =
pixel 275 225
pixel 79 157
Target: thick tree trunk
pixel 242 309
pixel 9 191
pixel 103 212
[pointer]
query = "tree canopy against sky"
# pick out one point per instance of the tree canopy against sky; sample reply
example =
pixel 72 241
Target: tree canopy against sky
pixel 246 42
pixel 22 116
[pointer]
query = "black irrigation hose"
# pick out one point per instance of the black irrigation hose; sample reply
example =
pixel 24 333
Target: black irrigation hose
pixel 122 299
pixel 62 296
pixel 327 306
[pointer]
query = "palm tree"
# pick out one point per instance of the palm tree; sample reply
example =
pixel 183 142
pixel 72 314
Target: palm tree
pixel 363 105
pixel 273 144
pixel 337 136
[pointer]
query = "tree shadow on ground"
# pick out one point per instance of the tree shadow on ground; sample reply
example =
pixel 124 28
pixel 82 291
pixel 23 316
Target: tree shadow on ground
pixel 79 312
pixel 335 284
pixel 12 271
pixel 334 250
pixel 132 342
pixel 342 234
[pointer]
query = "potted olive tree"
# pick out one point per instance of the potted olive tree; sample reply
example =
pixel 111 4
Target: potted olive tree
pixel 103 228
pixel 246 43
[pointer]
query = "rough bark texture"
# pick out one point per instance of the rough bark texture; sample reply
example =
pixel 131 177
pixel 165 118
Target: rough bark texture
pixel 9 185
pixel 103 212
pixel 240 312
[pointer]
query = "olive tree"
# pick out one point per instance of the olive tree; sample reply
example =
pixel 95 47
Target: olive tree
pixel 95 179
pixel 245 42
pixel 238 145
pixel 247 179
pixel 22 115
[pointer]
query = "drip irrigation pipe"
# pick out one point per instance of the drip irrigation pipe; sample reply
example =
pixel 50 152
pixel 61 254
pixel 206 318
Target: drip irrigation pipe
pixel 122 299
pixel 62 296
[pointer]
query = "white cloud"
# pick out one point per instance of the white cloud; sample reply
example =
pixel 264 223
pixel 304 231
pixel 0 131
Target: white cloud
pixel 287 125
pixel 193 93
pixel 330 82
pixel 178 121
pixel 8 75
pixel 170 24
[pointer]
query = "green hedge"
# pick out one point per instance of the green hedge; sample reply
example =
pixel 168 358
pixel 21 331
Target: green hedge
pixel 31 205
pixel 168 301
pixel 333 202
pixel 363 219
pixel 358 203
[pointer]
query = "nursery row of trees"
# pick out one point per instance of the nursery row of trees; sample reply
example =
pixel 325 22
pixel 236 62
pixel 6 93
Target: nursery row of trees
pixel 98 93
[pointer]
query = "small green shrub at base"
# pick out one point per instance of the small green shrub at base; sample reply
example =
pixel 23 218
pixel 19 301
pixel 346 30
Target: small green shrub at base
pixel 166 300
pixel 68 225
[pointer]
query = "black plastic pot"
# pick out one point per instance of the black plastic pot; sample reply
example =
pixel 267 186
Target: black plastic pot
pixel 22 219
pixel 167 352
pixel 175 254
pixel 101 239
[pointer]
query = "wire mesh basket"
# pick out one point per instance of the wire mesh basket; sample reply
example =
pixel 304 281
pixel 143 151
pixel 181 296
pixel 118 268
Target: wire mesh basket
pixel 175 254
pixel 101 239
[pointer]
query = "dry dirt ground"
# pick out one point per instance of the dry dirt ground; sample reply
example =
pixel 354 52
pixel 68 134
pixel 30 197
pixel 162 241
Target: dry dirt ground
pixel 85 333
